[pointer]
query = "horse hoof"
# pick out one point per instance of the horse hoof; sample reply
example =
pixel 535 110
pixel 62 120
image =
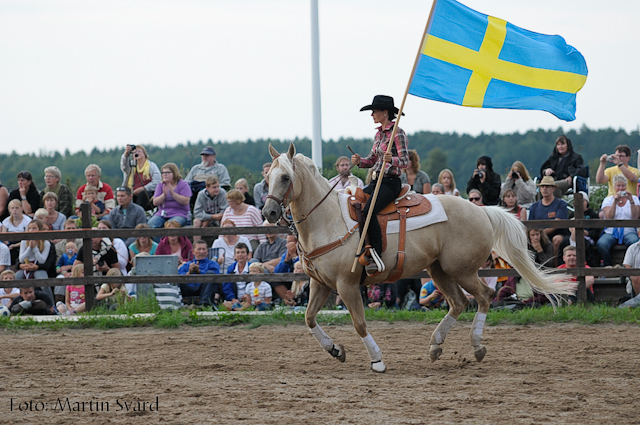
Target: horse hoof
pixel 338 352
pixel 378 366
pixel 480 352
pixel 435 352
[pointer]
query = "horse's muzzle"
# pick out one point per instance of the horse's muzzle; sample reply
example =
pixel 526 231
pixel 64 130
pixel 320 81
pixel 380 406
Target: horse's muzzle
pixel 271 211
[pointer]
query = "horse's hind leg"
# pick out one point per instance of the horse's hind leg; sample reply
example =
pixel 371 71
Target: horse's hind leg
pixel 318 294
pixel 483 295
pixel 350 294
pixel 457 303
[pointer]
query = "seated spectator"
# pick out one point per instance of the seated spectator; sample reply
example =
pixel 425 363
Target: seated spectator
pixel 299 293
pixel 141 175
pixel 171 197
pixel 268 253
pixel 26 193
pixel 90 196
pixel 243 215
pixel 343 164
pixel 32 302
pixel 475 197
pixel 209 166
pixel 519 181
pixel 445 178
pixel 64 196
pixel 562 166
pixel 127 214
pixel 510 203
pixel 121 249
pixel 632 261
pixel 381 295
pixel 65 264
pixel 590 252
pixel 61 249
pixel 5 257
pixel 74 298
pixel 233 292
pixel 550 208
pixel 288 259
pixel 620 160
pixel 105 195
pixel 180 246
pixel 621 206
pixel 414 176
pixel 7 295
pixel 210 205
pixel 16 222
pixel 243 186
pixel 55 219
pixel 261 189
pixel 571 261
pixel 223 248
pixel 430 296
pixel 257 294
pixel 112 294
pixel 208 292
pixel 37 257
pixel 104 256
pixel 486 181
pixel 540 246
pixel 142 243
pixel 437 189
pixel 589 214
pixel 4 200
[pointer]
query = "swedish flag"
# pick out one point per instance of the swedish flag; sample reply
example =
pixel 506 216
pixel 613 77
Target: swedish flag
pixel 472 59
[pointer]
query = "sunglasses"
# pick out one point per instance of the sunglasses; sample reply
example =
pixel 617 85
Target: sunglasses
pixel 474 199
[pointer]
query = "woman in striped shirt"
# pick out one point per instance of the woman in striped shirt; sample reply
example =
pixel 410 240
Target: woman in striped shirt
pixel 243 215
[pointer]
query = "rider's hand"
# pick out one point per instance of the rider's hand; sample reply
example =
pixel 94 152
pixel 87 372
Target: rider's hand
pixel 387 157
pixel 355 159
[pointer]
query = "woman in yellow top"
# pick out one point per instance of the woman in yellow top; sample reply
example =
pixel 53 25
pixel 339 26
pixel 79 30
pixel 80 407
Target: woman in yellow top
pixel 140 174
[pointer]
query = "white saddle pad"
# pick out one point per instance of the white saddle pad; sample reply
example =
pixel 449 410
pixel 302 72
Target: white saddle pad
pixel 436 215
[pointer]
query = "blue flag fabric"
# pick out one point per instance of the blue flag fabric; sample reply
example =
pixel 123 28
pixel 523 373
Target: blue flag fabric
pixel 472 59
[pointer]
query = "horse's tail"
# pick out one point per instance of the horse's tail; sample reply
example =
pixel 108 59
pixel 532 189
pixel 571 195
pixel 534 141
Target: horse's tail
pixel 510 243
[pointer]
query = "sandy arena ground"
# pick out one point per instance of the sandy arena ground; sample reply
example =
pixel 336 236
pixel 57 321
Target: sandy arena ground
pixel 549 374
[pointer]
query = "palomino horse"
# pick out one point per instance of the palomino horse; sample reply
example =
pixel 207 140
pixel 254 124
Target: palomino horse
pixel 452 252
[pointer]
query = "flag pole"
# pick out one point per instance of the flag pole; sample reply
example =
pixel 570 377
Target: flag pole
pixel 391 141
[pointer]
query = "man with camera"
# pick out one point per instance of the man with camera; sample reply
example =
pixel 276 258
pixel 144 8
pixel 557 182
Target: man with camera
pixel 486 181
pixel 208 292
pixel 620 159
pixel 140 174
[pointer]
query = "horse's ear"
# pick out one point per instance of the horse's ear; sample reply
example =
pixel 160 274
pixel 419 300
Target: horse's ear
pixel 274 153
pixel 292 151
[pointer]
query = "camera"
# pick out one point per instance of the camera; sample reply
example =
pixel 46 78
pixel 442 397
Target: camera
pixel 514 175
pixel 623 193
pixel 610 158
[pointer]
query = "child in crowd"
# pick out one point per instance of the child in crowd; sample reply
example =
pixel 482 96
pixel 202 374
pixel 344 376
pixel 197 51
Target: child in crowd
pixel 430 296
pixel 210 205
pixel 8 294
pixel 113 294
pixel 16 222
pixel 74 301
pixel 42 215
pixel 299 293
pixel 65 264
pixel 90 196
pixel 257 294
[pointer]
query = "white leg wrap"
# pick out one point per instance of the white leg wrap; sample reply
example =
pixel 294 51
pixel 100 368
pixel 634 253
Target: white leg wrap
pixel 325 341
pixel 372 348
pixel 443 329
pixel 477 328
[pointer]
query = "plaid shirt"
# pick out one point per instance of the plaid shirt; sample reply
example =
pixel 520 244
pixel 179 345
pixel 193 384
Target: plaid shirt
pixel 399 151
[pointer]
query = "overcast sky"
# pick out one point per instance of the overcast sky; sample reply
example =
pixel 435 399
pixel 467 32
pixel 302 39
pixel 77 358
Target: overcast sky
pixel 78 74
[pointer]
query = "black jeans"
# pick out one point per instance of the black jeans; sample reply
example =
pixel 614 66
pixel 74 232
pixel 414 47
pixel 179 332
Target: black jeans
pixel 389 191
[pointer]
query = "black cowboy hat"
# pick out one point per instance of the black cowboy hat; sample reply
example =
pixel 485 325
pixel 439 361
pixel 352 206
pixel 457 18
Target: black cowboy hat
pixel 381 103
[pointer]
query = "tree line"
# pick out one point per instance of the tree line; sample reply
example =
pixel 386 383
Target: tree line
pixel 437 151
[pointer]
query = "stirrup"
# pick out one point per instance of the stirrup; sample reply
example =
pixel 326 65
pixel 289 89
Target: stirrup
pixel 376 259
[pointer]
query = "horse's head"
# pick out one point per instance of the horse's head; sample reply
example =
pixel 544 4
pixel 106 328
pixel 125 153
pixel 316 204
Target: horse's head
pixel 282 184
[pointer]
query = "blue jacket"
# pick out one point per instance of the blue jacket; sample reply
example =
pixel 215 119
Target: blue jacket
pixel 206 267
pixel 285 266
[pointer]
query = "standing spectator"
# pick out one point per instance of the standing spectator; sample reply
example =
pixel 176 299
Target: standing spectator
pixel 233 292
pixel 4 200
pixel 52 177
pixel 621 206
pixel 486 181
pixel 26 193
pixel 510 202
pixel 171 197
pixel 180 246
pixel 37 258
pixel 268 253
pixel 200 265
pixel 550 208
pixel 342 165
pixel 620 159
pixel 142 243
pixel 140 175
pixel 55 219
pixel 223 248
pixel 198 174
pixel 475 197
pixel 571 261
pixel 127 215
pixel 261 189
pixel 519 181
pixel 540 246
pixel 414 176
pixel 563 165
pixel 16 222
pixel 243 215
pixel 243 186
pixel 445 178
pixel 105 195
pixel 33 302
pixel 210 205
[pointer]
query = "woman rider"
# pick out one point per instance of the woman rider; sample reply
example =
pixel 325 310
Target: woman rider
pixel 383 113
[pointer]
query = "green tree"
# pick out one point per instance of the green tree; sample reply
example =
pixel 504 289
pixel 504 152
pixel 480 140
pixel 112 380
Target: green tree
pixel 435 162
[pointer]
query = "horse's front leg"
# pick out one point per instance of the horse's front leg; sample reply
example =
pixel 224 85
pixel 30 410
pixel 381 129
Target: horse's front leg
pixel 318 294
pixel 350 294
